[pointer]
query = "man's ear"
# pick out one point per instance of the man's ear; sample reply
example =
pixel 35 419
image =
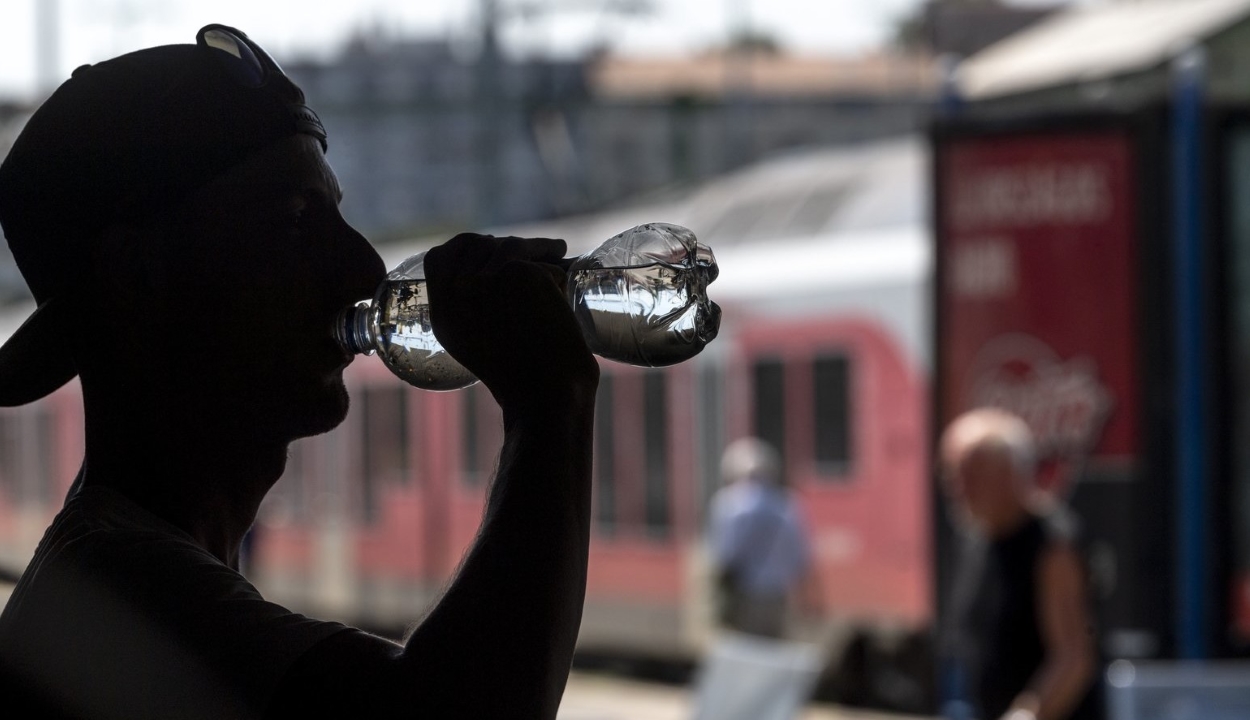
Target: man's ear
pixel 128 264
pixel 123 289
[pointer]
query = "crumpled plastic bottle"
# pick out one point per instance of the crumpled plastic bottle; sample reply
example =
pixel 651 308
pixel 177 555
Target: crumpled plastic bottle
pixel 640 298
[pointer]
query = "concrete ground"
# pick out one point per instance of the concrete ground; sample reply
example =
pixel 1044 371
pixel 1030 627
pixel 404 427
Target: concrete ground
pixel 604 697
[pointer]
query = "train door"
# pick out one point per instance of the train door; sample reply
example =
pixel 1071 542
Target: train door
pixel 846 409
pixel 644 499
pixel 475 433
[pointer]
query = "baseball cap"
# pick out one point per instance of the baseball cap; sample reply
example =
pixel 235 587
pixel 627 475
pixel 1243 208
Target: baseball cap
pixel 116 143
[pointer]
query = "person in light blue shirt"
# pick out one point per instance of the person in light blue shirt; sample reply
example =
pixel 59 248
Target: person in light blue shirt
pixel 759 544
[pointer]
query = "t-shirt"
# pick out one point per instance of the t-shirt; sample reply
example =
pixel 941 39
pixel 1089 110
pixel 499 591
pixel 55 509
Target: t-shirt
pixel 756 530
pixel 996 604
pixel 121 615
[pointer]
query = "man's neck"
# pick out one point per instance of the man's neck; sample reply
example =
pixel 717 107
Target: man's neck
pixel 210 492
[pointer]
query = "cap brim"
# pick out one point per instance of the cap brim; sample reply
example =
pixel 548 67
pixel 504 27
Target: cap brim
pixel 31 363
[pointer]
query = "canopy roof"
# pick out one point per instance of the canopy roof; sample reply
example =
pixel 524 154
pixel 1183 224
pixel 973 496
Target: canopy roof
pixel 1096 42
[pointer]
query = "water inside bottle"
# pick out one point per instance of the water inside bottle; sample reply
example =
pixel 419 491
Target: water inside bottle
pixel 640 298
pixel 654 315
pixel 406 339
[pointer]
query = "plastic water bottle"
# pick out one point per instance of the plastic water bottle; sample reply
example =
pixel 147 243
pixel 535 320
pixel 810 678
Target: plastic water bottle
pixel 640 298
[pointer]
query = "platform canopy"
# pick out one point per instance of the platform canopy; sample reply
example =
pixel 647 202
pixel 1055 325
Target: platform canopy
pixel 1091 43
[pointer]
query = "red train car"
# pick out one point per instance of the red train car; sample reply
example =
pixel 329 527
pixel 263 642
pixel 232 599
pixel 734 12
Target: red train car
pixel 824 262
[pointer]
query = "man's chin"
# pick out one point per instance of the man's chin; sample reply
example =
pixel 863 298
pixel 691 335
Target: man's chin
pixel 326 412
pixel 285 417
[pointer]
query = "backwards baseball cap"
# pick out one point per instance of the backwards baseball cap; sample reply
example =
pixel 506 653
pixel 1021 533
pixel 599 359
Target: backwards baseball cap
pixel 116 143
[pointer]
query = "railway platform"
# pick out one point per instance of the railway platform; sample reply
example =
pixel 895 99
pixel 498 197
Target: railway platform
pixel 594 696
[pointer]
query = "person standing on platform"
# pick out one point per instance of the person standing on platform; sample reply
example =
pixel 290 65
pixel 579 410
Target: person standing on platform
pixel 759 544
pixel 1020 600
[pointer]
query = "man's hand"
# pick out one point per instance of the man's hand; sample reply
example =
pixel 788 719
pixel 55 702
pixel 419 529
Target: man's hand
pixel 499 307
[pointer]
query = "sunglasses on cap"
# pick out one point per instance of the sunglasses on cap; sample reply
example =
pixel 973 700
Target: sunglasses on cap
pixel 249 66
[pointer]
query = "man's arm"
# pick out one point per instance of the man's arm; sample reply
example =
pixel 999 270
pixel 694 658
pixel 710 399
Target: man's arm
pixel 500 642
pixel 1069 664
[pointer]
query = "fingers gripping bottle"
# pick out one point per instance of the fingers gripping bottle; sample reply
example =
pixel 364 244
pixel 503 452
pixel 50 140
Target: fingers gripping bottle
pixel 640 298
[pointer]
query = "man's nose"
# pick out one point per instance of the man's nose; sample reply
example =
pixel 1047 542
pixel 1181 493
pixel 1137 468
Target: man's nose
pixel 356 266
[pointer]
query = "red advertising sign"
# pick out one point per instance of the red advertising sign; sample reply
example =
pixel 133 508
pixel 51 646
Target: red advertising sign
pixel 1038 290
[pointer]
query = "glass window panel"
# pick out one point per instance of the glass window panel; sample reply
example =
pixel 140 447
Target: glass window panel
pixel 481 436
pixel 605 458
pixel 10 455
pixel 655 434
pixel 40 447
pixel 470 445
pixel 770 405
pixel 712 424
pixel 384 456
pixel 26 461
pixel 290 495
pixel 832 421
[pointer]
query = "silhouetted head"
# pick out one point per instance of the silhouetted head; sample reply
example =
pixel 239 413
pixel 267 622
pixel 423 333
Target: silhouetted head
pixel 751 460
pixel 988 465
pixel 174 216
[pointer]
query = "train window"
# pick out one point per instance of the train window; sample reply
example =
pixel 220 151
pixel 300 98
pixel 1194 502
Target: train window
pixel 832 421
pixel 470 444
pixel 292 488
pixel 605 458
pixel 41 445
pixel 26 455
pixel 480 435
pixel 384 456
pixel 770 404
pixel 655 440
pixel 10 455
pixel 712 425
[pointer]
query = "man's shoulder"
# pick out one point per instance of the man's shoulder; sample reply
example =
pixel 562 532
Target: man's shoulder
pixel 99 535
pixel 104 514
pixel 115 602
pixel 101 554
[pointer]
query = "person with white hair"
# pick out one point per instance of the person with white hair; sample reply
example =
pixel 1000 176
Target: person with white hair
pixel 758 540
pixel 1021 609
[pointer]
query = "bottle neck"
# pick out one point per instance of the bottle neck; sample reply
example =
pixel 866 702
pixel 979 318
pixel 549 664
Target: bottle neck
pixel 352 330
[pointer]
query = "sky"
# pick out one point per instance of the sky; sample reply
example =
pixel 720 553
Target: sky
pixel 92 30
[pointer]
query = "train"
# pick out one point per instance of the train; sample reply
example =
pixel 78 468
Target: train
pixel 825 260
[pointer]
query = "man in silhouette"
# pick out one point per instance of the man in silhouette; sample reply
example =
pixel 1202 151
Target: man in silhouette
pixel 174 215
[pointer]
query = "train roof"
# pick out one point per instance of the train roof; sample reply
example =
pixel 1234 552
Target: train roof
pixel 839 216
pixel 841 263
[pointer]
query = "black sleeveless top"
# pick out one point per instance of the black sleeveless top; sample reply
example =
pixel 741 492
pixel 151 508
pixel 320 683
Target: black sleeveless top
pixel 997 608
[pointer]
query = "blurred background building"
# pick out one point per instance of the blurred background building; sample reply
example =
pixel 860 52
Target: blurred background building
pixel 430 142
pixel 433 135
